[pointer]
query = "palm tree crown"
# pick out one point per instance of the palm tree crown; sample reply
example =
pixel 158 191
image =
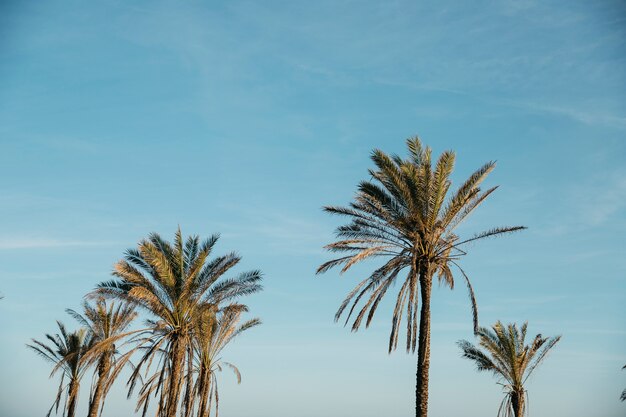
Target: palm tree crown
pixel 175 283
pixel 502 350
pixel 107 324
pixel 65 353
pixel 213 333
pixel 406 214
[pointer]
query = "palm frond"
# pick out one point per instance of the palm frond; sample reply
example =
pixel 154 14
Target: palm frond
pixel 177 284
pixel 406 213
pixel 502 350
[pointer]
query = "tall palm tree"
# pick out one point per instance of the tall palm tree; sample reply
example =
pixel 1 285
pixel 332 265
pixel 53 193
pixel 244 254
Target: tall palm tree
pixel 65 353
pixel 107 325
pixel 406 215
pixel 212 335
pixel 174 282
pixel 502 351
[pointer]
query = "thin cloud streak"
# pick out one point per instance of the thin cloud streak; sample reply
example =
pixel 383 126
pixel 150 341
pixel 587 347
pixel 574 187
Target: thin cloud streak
pixel 586 116
pixel 7 243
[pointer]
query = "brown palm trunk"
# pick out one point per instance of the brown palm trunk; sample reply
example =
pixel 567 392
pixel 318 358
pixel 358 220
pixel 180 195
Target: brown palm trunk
pixel 204 390
pixel 423 350
pixel 517 401
pixel 71 407
pixel 173 393
pixel 103 373
pixel 189 385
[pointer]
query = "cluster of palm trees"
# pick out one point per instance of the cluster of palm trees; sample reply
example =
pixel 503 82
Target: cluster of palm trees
pixel 194 312
pixel 406 213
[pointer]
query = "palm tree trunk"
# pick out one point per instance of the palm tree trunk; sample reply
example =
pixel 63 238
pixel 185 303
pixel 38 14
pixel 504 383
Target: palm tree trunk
pixel 73 391
pixel 173 394
pixel 205 390
pixel 423 350
pixel 517 401
pixel 188 403
pixel 103 372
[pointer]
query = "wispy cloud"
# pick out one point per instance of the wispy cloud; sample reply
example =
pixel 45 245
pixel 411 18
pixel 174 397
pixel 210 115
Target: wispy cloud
pixel 599 199
pixel 284 231
pixel 511 303
pixel 589 115
pixel 610 200
pixel 8 243
pixel 596 200
pixel 533 300
pixel 70 144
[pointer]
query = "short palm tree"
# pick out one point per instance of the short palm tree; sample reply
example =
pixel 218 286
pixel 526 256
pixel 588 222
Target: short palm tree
pixel 175 283
pixel 406 214
pixel 65 353
pixel 213 333
pixel 623 396
pixel 107 325
pixel 501 350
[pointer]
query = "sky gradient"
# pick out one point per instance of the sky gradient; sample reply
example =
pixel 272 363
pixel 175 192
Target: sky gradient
pixel 245 119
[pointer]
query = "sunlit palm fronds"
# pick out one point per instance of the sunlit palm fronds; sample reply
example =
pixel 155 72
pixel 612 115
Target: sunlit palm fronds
pixel 175 282
pixel 65 352
pixel 212 334
pixel 407 214
pixel 107 324
pixel 502 351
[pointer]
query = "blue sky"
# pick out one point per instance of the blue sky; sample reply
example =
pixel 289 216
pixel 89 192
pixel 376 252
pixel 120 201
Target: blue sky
pixel 244 118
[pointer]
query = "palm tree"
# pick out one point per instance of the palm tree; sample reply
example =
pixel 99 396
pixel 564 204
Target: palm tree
pixel 502 351
pixel 212 335
pixel 107 325
pixel 623 396
pixel 405 214
pixel 65 353
pixel 175 283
